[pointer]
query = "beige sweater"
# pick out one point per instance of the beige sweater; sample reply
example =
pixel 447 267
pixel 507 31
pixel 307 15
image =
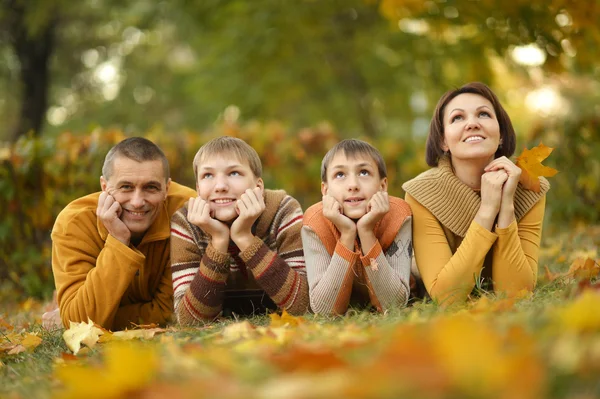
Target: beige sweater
pixel 452 250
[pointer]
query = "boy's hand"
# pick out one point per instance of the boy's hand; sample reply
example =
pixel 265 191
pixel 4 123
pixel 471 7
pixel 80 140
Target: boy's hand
pixel 199 215
pixel 250 206
pixel 378 206
pixel 109 212
pixel 333 211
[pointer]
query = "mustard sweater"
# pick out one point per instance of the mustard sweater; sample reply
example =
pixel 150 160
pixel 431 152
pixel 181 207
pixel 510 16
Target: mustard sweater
pixel 100 278
pixel 336 274
pixel 452 250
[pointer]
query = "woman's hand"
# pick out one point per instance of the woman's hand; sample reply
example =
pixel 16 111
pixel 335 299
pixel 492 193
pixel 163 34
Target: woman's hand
pixel 491 197
pixel 507 209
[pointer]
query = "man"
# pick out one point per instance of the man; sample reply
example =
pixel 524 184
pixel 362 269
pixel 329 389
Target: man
pixel 110 250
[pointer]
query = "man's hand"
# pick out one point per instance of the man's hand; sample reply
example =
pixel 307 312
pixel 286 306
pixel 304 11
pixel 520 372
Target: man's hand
pixel 334 212
pixel 109 212
pixel 377 207
pixel 250 206
pixel 199 215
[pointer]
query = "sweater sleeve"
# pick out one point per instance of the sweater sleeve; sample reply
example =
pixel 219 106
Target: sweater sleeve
pixel 199 276
pixel 448 277
pixel 329 277
pixel 90 279
pixel 388 277
pixel 159 310
pixel 515 259
pixel 281 273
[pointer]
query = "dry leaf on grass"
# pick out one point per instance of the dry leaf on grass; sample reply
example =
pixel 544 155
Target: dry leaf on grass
pixel 15 343
pixel 584 268
pixel 131 334
pixel 530 162
pixel 81 333
pixel 285 320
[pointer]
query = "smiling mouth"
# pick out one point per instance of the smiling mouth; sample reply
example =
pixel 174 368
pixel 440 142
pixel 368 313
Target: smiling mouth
pixel 354 201
pixel 474 139
pixel 136 213
pixel 224 201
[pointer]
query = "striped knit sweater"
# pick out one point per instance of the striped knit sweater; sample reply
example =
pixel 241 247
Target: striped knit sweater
pixel 274 263
pixel 338 276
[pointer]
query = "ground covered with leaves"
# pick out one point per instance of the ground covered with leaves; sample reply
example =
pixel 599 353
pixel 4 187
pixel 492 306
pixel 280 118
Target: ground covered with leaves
pixel 545 344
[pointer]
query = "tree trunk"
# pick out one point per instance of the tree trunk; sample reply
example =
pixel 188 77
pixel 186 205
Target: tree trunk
pixel 34 52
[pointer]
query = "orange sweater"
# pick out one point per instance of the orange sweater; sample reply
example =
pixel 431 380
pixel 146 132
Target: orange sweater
pixel 335 273
pixel 100 278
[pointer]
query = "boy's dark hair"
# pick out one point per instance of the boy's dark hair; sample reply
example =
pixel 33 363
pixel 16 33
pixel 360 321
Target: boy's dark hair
pixel 351 148
pixel 138 149
pixel 434 151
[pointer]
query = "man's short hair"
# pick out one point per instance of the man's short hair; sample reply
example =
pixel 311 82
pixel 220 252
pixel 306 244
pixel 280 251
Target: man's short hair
pixel 229 146
pixel 351 148
pixel 138 149
pixel 435 139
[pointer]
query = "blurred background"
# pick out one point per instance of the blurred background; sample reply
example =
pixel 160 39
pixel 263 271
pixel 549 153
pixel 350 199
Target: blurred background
pixel 291 78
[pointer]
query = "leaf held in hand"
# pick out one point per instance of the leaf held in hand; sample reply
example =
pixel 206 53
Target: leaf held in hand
pixel 530 162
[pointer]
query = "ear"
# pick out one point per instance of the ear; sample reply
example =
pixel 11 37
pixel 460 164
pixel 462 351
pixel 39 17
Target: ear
pixel 260 184
pixel 323 188
pixel 384 184
pixel 444 145
pixel 167 188
pixel 103 183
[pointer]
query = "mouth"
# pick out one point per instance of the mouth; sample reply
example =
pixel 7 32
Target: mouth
pixel 136 214
pixel 354 201
pixel 223 201
pixel 474 139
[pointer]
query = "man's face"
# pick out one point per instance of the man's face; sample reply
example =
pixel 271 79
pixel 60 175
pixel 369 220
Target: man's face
pixel 221 182
pixel 140 188
pixel 352 181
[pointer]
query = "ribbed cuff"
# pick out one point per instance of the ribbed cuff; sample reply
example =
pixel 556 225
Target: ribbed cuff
pixel 372 254
pixel 345 253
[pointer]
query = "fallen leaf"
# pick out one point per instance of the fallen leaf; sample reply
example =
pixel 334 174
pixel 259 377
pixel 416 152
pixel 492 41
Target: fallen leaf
pixel 530 162
pixel 5 325
pixel 581 315
pixel 130 334
pixel 81 333
pixel 584 268
pixel 285 320
pixel 17 349
pixel 550 276
pixel 304 358
pixel 31 341
pixel 237 331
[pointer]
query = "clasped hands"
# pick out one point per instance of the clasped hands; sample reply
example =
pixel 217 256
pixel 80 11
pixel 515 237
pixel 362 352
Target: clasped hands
pixel 378 206
pixel 498 186
pixel 249 207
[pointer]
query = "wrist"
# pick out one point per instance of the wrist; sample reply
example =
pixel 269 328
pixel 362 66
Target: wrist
pixel 243 241
pixel 220 244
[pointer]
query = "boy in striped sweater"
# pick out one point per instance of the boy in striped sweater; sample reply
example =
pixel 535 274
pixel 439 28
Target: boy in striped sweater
pixel 236 248
pixel 357 241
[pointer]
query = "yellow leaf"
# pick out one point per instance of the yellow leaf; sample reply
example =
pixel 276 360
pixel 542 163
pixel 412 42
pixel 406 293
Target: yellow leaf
pixel 126 368
pixel 285 319
pixel 81 333
pixel 237 331
pixel 31 341
pixel 530 162
pixel 582 315
pixel 131 334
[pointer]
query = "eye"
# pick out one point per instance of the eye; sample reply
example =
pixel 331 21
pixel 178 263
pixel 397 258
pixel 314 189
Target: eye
pixel 207 176
pixel 338 175
pixel 153 188
pixel 126 187
pixel 234 173
pixel 485 114
pixel 456 118
pixel 364 172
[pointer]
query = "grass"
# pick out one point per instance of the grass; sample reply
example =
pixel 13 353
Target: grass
pixel 568 359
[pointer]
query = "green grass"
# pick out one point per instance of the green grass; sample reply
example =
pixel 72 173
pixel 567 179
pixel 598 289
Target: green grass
pixel 31 374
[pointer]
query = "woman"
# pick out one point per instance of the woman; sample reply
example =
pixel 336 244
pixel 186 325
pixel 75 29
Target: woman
pixel 472 221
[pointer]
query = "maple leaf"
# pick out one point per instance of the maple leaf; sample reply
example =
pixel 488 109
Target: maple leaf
pixel 147 333
pixel 81 333
pixel 530 162
pixel 584 268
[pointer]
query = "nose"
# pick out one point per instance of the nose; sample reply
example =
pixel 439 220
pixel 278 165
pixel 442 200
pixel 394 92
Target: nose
pixel 221 184
pixel 472 123
pixel 352 182
pixel 138 200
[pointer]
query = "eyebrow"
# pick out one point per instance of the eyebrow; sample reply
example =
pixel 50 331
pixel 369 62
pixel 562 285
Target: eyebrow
pixel 476 109
pixel 209 168
pixel 360 165
pixel 155 182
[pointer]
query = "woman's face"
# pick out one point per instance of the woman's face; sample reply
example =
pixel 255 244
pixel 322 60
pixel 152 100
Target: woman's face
pixel 471 129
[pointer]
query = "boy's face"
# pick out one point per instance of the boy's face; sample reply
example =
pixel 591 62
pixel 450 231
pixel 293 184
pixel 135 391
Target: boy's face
pixel 222 179
pixel 352 182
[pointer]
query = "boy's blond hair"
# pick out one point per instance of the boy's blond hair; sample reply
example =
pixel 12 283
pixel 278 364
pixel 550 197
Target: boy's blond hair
pixel 350 148
pixel 229 145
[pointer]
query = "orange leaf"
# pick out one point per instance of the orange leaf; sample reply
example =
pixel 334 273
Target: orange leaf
pixel 584 268
pixel 530 162
pixel 552 276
